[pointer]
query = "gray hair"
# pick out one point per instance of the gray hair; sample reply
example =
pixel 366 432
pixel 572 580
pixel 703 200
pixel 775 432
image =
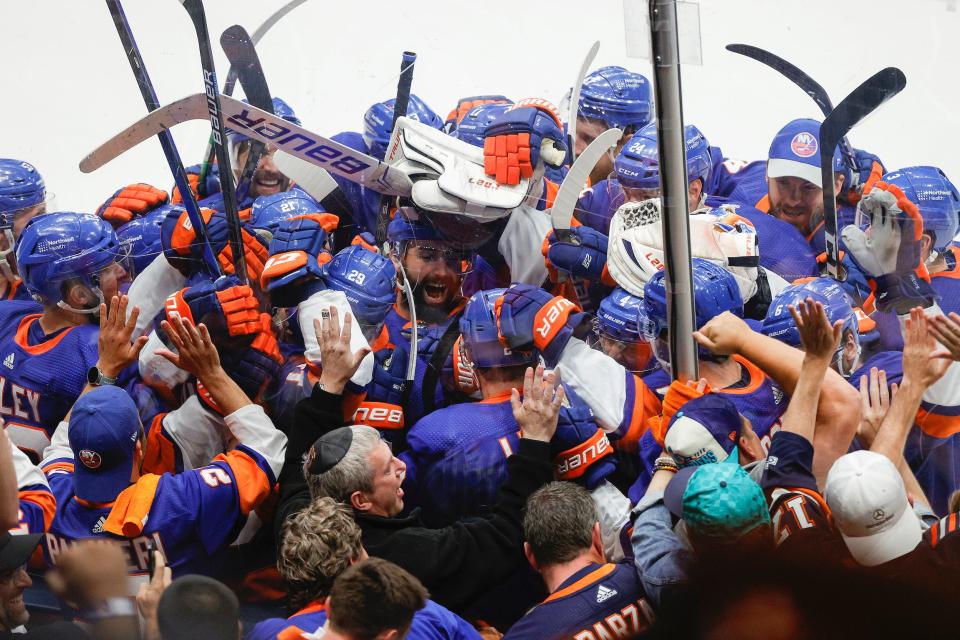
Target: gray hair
pixel 352 473
pixel 558 522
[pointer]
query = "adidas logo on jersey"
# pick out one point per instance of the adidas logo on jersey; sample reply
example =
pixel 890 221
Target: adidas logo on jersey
pixel 8 361
pixel 604 594
pixel 98 528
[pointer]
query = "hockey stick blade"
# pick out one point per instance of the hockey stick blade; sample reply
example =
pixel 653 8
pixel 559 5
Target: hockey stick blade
pixel 576 179
pixel 190 108
pixel 800 78
pixel 316 149
pixel 574 106
pixel 861 102
pixel 315 181
pixel 239 49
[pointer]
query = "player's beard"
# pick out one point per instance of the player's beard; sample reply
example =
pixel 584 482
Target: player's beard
pixel 429 312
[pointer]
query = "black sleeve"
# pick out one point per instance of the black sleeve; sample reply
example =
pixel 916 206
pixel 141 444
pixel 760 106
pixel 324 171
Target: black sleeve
pixel 459 562
pixel 312 417
pixel 789 465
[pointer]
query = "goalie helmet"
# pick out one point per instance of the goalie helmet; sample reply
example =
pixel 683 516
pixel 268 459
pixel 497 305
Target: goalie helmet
pixel 368 280
pixel 936 198
pixel 378 122
pixel 617 97
pixel 779 323
pixel 715 290
pixel 481 338
pixel 57 247
pixel 637 165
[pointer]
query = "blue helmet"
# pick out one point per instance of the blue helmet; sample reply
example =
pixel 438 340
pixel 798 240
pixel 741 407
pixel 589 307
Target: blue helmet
pixel 57 247
pixel 715 290
pixel 269 211
pixel 21 186
pixel 403 229
pixel 474 125
pixel 378 122
pixel 935 196
pixel 368 279
pixel 617 97
pixel 478 326
pixel 637 165
pixel 622 316
pixel 779 324
pixel 139 239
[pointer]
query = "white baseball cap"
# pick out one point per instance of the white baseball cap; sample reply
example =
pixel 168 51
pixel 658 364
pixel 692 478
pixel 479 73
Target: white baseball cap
pixel 870 507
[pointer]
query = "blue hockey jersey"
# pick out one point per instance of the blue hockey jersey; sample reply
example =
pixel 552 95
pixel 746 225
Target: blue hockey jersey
pixel 42 375
pixel 433 622
pixel 600 601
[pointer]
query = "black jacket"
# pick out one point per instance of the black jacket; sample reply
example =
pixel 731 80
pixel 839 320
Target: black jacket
pixel 455 563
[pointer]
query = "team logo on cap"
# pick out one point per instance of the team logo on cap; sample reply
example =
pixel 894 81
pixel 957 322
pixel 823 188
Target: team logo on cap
pixel 90 459
pixel 804 144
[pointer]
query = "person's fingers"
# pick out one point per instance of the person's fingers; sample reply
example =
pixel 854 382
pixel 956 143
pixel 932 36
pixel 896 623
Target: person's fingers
pixel 318 331
pixel 169 355
pixel 701 385
pixel 538 381
pixel 864 392
pixel 205 337
pixel 874 386
pixel 138 346
pixel 121 318
pixel 558 397
pixel 112 314
pixel 334 322
pixel 132 320
pixel 704 341
pixel 882 388
pixel 795 313
pixel 173 331
pixel 515 402
pixel 946 328
pixel 167 577
pixel 528 383
pixel 360 354
pixel 345 333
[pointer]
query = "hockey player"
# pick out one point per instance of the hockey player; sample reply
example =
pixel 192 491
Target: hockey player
pixel 457 456
pixel 94 464
pixel 619 327
pixel 791 188
pixel 140 240
pixel 23 196
pixel 612 97
pixel 589 597
pixel 69 262
pixel 359 203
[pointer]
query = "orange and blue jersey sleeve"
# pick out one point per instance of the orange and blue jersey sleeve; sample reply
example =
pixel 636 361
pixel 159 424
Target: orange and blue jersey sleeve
pixel 37 503
pixel 620 400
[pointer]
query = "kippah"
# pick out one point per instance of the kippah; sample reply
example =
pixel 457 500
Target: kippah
pixel 329 449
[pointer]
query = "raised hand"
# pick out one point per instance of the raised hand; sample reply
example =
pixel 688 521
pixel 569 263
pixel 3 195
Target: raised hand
pixel 819 339
pixel 196 353
pixel 539 410
pixel 875 398
pixel 116 352
pixel 339 363
pixel 922 361
pixel 723 335
pixel 947 332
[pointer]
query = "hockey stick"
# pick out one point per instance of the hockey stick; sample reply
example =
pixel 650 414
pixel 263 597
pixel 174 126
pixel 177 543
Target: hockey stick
pixel 231 81
pixel 243 57
pixel 574 106
pixel 198 16
pixel 299 142
pixel 166 139
pixel 315 181
pixel 400 104
pixel 810 86
pixel 576 179
pixel 861 102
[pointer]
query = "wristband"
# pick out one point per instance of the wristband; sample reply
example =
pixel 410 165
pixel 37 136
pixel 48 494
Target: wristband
pixel 111 608
pixel 665 463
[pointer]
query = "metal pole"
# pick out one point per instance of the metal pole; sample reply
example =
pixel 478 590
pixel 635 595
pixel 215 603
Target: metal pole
pixel 665 54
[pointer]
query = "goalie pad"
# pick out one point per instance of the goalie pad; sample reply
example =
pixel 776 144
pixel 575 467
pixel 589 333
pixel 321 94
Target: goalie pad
pixel 448 174
pixel 635 250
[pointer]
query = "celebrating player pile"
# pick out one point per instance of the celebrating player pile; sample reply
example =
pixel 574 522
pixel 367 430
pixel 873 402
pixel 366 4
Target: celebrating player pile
pixel 426 379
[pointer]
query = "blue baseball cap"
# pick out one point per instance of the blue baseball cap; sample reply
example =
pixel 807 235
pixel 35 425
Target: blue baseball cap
pixel 104 429
pixel 717 501
pixel 704 430
pixel 795 152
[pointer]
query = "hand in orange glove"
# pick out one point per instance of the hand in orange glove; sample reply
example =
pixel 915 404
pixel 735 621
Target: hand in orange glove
pixel 131 201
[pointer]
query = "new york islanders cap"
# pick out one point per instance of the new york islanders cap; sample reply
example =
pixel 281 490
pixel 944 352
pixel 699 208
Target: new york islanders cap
pixel 704 430
pixel 104 428
pixel 795 152
pixel 869 503
pixel 717 501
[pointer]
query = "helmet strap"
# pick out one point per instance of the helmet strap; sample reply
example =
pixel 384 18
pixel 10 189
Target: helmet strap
pixel 94 311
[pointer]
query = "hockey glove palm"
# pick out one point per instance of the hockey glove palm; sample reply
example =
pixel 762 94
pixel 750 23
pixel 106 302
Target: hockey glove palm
pixel 586 259
pixel 518 139
pixel 222 303
pixel 131 201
